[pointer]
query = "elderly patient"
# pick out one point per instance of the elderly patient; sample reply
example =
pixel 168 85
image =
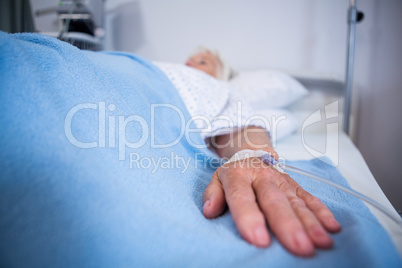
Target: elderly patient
pixel 258 196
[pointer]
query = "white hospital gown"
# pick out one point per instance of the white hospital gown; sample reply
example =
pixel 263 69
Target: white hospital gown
pixel 208 98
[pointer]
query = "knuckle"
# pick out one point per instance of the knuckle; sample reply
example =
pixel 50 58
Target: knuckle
pixel 271 197
pixel 207 193
pixel 236 193
pixel 301 192
pixel 294 184
pixel 234 173
pixel 284 186
pixel 296 202
pixel 307 197
pixel 315 201
pixel 323 212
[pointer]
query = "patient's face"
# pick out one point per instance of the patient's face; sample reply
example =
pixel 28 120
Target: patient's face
pixel 205 62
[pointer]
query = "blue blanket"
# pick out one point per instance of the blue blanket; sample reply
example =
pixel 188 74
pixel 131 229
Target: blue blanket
pixel 92 175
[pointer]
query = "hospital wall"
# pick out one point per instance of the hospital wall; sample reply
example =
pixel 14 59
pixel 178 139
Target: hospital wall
pixel 378 73
pixel 306 37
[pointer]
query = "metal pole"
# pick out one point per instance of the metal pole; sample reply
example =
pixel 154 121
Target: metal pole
pixel 352 19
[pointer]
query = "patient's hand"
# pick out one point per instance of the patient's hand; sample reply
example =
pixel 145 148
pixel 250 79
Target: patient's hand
pixel 259 195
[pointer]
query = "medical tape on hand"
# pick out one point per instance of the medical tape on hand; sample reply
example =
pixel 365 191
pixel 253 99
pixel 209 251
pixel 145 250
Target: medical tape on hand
pixel 266 157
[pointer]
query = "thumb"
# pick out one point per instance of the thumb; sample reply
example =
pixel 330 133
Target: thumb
pixel 214 198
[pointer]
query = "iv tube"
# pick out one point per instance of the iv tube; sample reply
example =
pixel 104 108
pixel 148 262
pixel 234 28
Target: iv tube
pixel 345 189
pixel 268 159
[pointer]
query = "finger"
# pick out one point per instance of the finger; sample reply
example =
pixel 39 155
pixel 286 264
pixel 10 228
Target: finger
pixel 213 198
pixel 281 218
pixel 246 214
pixel 310 222
pixel 320 210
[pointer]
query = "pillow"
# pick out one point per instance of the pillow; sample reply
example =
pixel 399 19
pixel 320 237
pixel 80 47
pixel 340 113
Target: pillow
pixel 268 89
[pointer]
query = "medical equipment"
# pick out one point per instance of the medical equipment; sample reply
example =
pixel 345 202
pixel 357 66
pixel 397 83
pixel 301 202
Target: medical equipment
pixel 81 23
pixel 268 159
pixel 354 16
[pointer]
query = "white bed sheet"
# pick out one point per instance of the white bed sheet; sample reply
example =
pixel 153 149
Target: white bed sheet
pixel 351 165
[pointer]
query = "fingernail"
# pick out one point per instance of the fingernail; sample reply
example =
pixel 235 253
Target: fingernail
pixel 206 206
pixel 334 224
pixel 261 237
pixel 302 241
pixel 317 231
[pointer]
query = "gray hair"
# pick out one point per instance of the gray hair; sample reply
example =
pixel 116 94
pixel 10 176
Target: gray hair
pixel 223 73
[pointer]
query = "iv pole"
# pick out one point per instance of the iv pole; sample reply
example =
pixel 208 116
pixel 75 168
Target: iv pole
pixel 354 16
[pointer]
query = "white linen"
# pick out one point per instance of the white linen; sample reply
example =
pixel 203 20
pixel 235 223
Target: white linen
pixel 221 105
pixel 202 94
pixel 213 100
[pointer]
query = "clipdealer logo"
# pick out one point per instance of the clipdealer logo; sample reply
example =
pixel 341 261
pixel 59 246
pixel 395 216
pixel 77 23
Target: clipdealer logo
pixel 109 124
pixel 120 123
pixel 332 134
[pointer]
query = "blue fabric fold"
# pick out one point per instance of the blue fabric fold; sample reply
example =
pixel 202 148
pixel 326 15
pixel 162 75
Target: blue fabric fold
pixel 63 205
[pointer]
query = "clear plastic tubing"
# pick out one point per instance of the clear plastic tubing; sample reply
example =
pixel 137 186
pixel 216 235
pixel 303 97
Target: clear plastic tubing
pixel 268 159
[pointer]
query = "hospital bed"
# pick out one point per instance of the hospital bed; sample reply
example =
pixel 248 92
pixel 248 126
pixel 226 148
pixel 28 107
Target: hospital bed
pixel 77 188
